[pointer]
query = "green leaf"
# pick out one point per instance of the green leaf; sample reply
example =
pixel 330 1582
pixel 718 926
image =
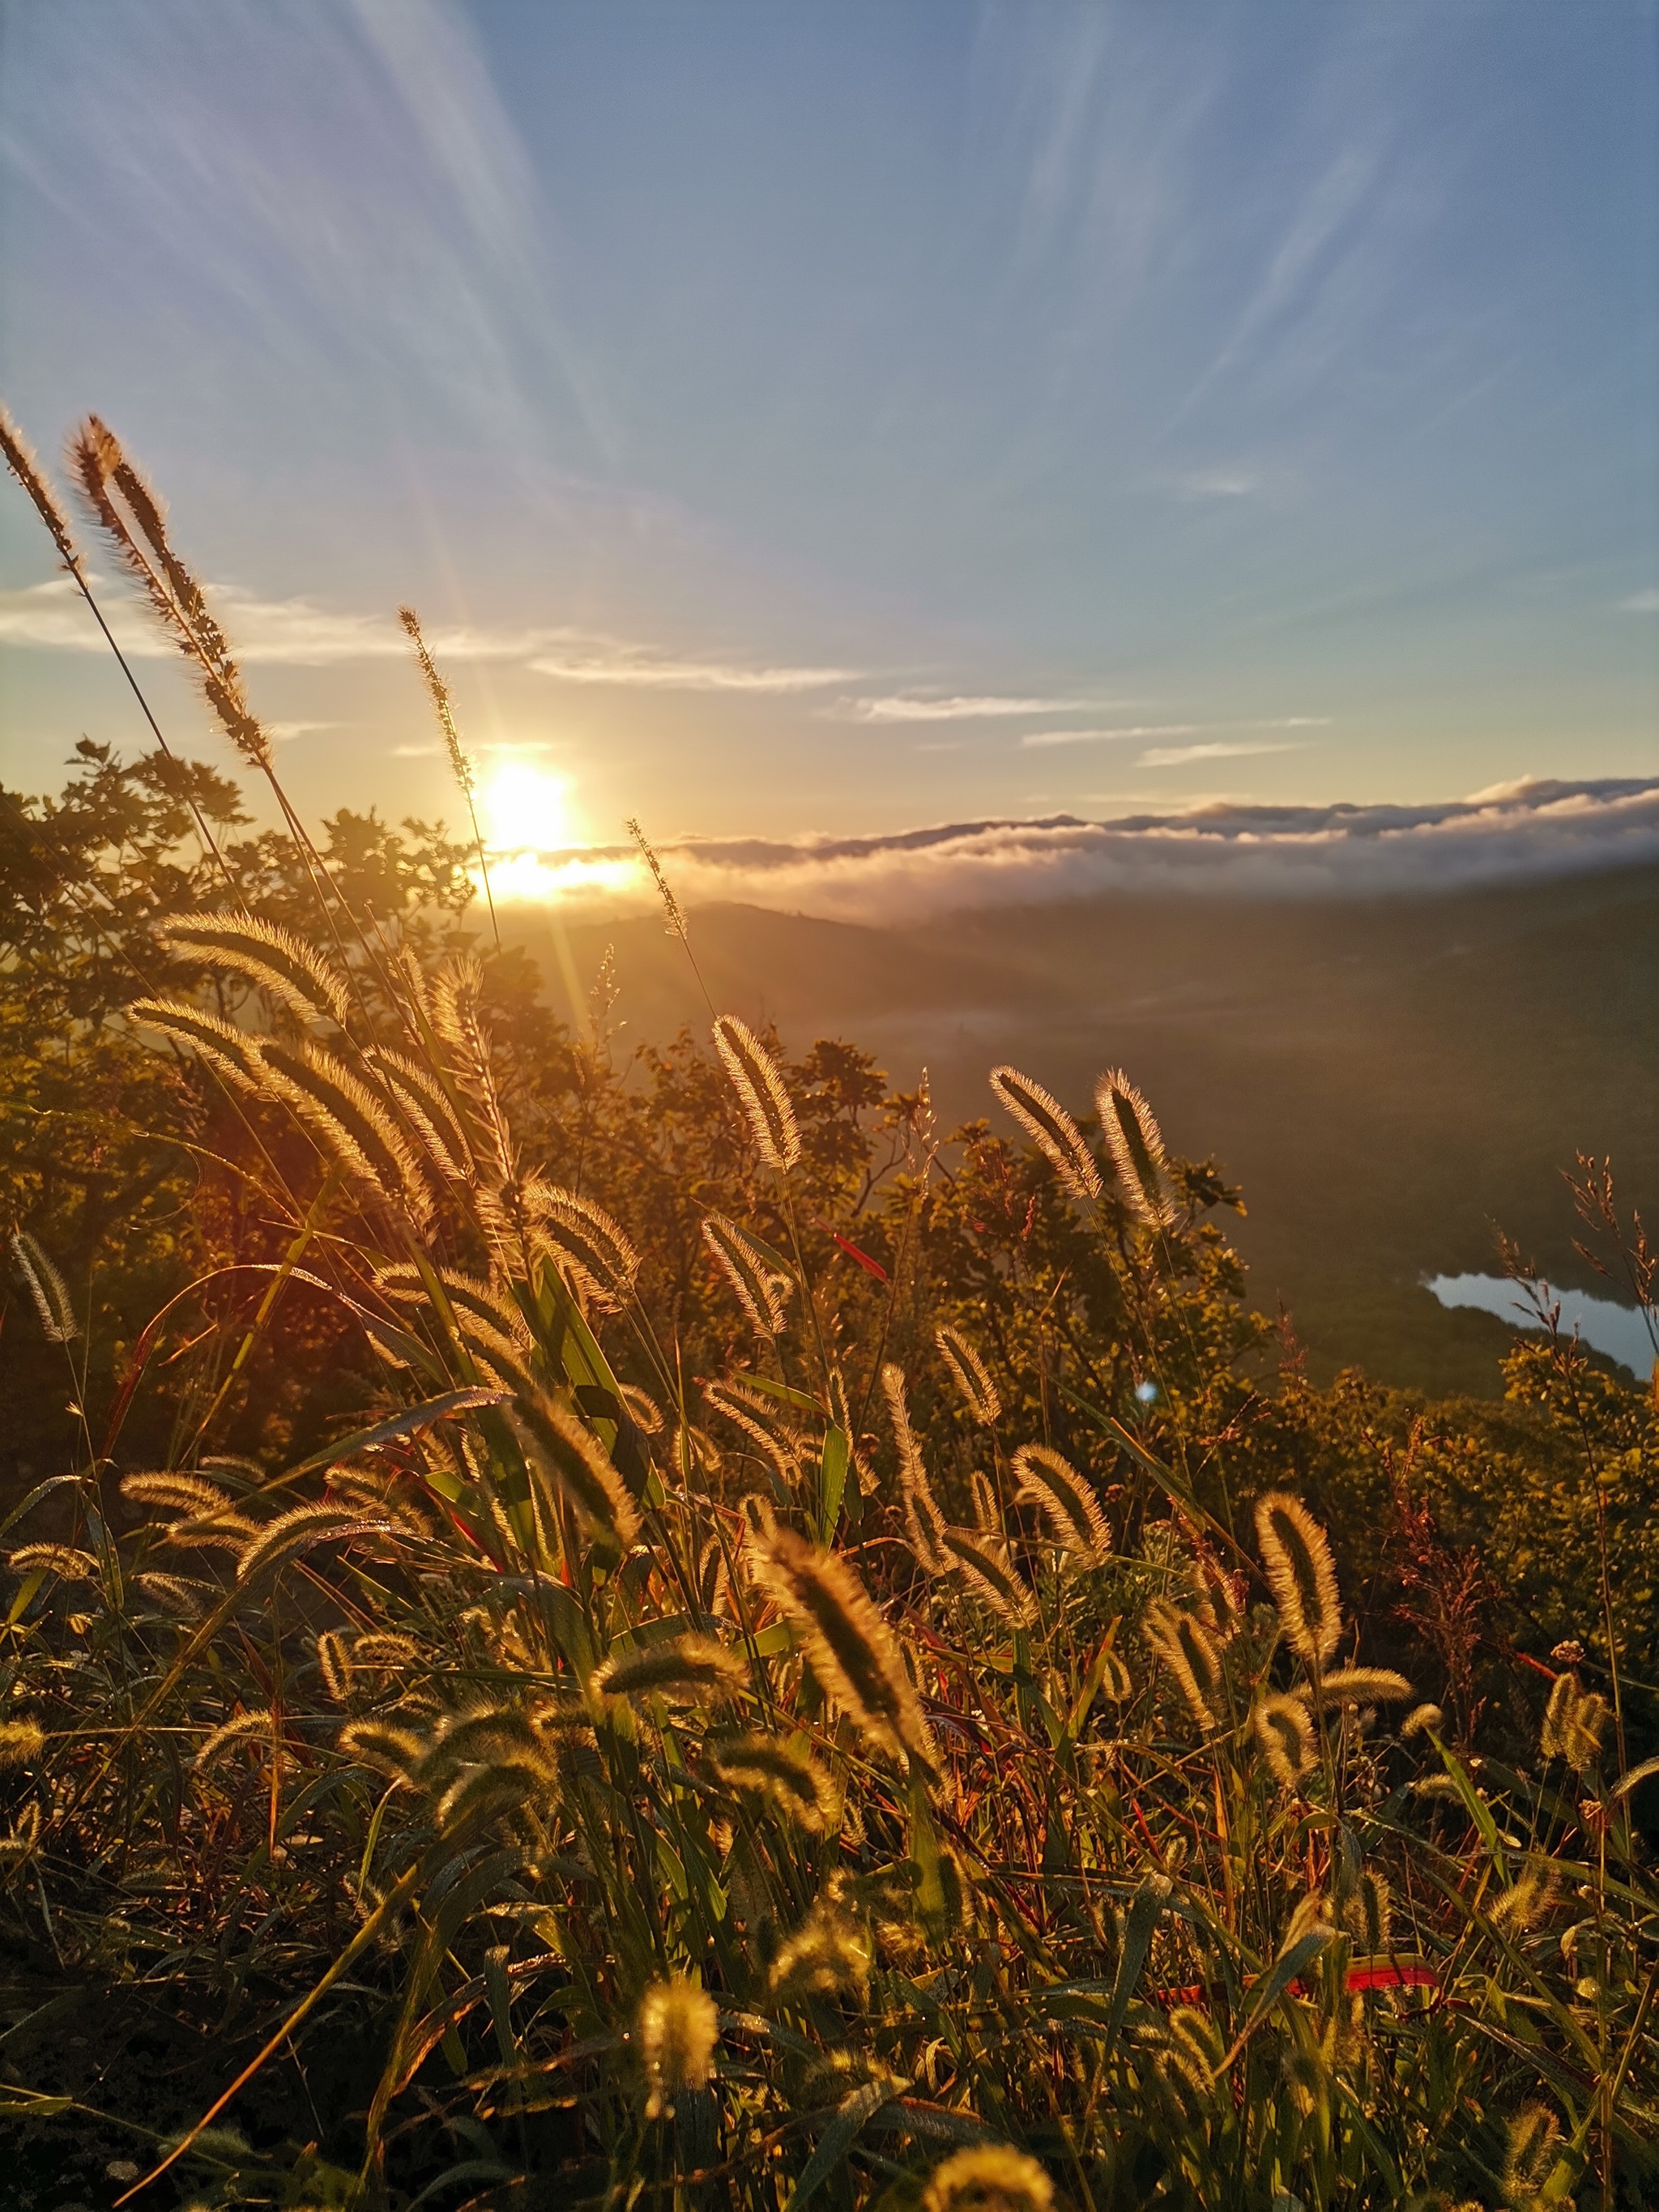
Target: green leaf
pixel 1478 1811
pixel 802 1399
pixel 1286 1968
pixel 410 1423
pixel 1145 1908
pixel 832 1482
pixel 852 2114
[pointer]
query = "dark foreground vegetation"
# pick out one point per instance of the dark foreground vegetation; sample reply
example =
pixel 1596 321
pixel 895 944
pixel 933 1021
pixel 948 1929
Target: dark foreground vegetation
pixel 586 1628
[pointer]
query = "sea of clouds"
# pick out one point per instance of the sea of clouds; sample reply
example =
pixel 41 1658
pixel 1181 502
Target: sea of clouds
pixel 1517 832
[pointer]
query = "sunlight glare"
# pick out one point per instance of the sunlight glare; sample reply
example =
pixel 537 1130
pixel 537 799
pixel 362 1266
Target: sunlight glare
pixel 524 808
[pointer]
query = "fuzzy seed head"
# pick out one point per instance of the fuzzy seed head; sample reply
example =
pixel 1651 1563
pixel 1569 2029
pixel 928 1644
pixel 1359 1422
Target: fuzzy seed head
pixel 759 1085
pixel 350 1120
pixel 566 1455
pixel 1283 1728
pixel 1055 1132
pixel 1368 1915
pixel 775 1770
pixel 1186 1649
pixel 1530 2154
pixel 45 1283
pixel 682 1670
pixel 1419 1719
pixel 1573 1722
pixel 1296 1554
pixel 991 2178
pixel 334 1665
pixel 443 705
pixel 762 1291
pixel 828 1956
pixel 63 1561
pixel 1067 1501
pixel 850 1647
pixel 988 1568
pixel 21 460
pixel 678 2031
pixel 587 1245
pixel 229 1051
pixel 280 963
pixel 924 1522
pixel 970 1375
pixel 1136 1144
pixel 21 1742
pixel 1363 1686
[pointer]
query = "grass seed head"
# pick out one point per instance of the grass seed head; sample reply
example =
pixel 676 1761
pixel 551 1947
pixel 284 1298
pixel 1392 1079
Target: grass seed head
pixel 565 1451
pixel 759 1085
pixel 773 1769
pixel 1363 1686
pixel 334 1664
pixel 1284 1730
pixel 279 961
pixel 923 1521
pixel 63 1561
pixel 991 2177
pixel 850 1647
pixel 442 705
pixel 1056 1134
pixel 1067 1501
pixel 1186 1647
pixel 682 1670
pixel 1368 1915
pixel 44 1281
pixel 588 1244
pixel 348 1119
pixel 229 1051
pixel 678 2030
pixel 1530 2153
pixel 1420 1718
pixel 762 1291
pixel 184 1493
pixel 1573 1722
pixel 1136 1144
pixel 21 460
pixel 135 522
pixel 970 1375
pixel 828 1956
pixel 986 1565
pixel 1301 1574
pixel 21 1742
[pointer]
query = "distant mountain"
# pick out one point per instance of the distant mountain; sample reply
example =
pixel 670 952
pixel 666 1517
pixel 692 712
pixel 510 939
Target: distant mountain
pixel 1390 1079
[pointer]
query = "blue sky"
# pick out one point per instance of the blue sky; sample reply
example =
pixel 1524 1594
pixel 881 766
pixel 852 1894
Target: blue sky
pixel 838 417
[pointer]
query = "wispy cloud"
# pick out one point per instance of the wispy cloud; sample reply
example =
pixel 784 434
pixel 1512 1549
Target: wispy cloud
pixel 611 661
pixel 299 633
pixel 283 730
pixel 913 707
pixel 1217 751
pixel 1219 483
pixel 1178 755
pixel 1640 603
pixel 1034 738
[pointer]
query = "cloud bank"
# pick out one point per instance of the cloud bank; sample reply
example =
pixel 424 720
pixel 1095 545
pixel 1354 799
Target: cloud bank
pixel 1514 833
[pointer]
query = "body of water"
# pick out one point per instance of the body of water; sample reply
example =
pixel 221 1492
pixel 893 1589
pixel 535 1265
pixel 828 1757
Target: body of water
pixel 1620 1332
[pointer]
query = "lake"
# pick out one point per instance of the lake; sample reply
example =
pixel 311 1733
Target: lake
pixel 1620 1332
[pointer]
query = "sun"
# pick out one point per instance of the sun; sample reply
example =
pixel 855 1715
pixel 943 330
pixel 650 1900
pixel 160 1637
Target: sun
pixel 524 808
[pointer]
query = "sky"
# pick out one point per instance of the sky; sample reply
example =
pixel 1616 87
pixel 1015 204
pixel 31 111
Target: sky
pixel 812 421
